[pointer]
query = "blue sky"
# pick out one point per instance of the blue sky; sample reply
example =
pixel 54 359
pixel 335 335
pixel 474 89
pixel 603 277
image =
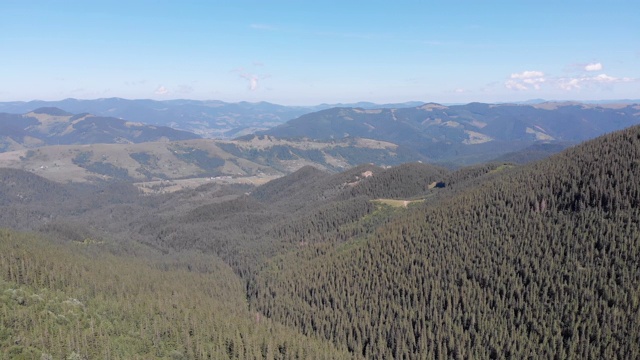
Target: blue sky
pixel 311 52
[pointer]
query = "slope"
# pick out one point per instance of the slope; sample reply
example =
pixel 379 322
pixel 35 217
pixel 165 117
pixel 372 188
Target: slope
pixel 52 126
pixel 78 301
pixel 399 182
pixel 162 165
pixel 541 261
pixel 464 133
pixel 208 118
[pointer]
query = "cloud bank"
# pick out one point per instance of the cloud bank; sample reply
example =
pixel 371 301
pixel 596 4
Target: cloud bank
pixel 589 81
pixel 532 79
pixel 525 80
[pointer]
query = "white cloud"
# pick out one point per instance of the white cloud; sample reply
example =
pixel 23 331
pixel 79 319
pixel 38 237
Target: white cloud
pixel 588 81
pixel 161 90
pixel 532 79
pixel 528 75
pixel 253 81
pixel 514 85
pixel 593 67
pixel 569 84
pixel 525 80
pixel 604 78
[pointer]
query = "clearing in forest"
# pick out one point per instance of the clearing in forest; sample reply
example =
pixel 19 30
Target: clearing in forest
pixel 397 203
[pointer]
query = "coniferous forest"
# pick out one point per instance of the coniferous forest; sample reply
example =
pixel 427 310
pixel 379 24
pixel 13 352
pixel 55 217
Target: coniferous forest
pixel 493 261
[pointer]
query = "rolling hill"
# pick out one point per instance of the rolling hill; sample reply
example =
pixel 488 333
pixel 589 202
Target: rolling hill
pixel 533 262
pixel 52 126
pixel 61 301
pixel 173 165
pixel 209 119
pixel 453 135
pixel 493 261
pixel 462 134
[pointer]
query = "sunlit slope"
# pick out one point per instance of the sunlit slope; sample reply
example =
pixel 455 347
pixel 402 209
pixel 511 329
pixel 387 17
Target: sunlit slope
pixel 466 134
pixel 61 301
pixel 256 160
pixel 539 261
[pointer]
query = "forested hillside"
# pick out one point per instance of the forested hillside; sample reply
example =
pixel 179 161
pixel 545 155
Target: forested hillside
pixel 164 165
pixel 53 126
pixel 76 301
pixel 209 118
pixel 142 219
pixel 467 134
pixel 540 262
pixel 414 261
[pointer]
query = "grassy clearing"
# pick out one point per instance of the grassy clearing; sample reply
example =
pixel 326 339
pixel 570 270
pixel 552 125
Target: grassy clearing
pixel 502 167
pixel 397 203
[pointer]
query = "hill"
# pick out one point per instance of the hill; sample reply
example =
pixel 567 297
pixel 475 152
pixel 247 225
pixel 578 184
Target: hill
pixel 464 133
pixel 159 166
pixel 17 186
pixel 400 182
pixel 532 153
pixel 209 119
pixel 455 134
pixel 52 126
pixel 67 301
pixel 539 261
pixel 489 261
pixel 206 118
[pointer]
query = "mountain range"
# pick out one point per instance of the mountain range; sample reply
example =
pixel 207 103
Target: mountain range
pixel 464 133
pixel 333 139
pixel 498 262
pixel 209 118
pixel 157 166
pixel 53 126
pixel 490 261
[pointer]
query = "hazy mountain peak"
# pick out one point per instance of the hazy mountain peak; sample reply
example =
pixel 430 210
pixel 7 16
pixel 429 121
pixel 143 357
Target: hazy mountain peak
pixel 464 134
pixel 54 111
pixel 431 106
pixel 53 126
pixel 552 105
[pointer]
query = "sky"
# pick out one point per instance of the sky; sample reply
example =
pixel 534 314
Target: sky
pixel 312 52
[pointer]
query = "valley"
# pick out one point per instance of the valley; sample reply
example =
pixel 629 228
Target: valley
pixel 170 166
pixel 328 180
pixel 487 261
pixel 84 147
pixel 345 233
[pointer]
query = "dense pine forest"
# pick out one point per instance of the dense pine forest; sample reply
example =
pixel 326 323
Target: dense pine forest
pixel 492 261
pixel 74 301
pixel 542 261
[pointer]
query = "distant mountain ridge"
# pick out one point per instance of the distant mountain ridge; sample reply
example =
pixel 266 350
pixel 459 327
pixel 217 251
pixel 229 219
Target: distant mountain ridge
pixel 492 261
pixel 207 118
pixel 535 262
pixel 465 133
pixel 53 126
pixel 447 134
